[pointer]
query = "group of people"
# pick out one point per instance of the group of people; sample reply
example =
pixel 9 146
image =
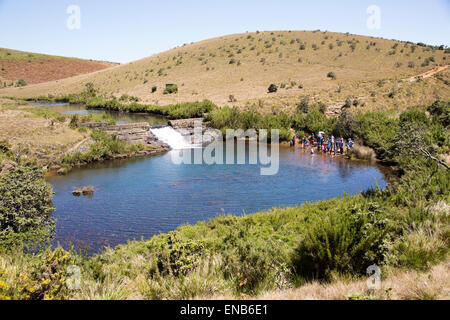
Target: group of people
pixel 330 145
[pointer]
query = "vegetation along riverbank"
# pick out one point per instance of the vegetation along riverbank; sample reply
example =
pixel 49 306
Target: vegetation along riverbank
pixel 403 229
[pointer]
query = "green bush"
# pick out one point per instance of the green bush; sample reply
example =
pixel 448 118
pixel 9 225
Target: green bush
pixel 21 83
pixel 232 118
pixel 346 239
pixel 176 111
pixel 313 122
pixel 303 106
pixel 171 89
pixel 105 148
pixel 378 130
pixel 25 207
pixel 273 88
pixel 440 111
pixel 331 75
pixel 346 125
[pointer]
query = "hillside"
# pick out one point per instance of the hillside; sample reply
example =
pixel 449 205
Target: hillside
pixel 37 68
pixel 374 72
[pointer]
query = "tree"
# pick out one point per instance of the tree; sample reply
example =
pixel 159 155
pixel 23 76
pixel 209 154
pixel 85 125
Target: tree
pixel 346 125
pixel 303 105
pixel 21 83
pixel 90 91
pixel 413 139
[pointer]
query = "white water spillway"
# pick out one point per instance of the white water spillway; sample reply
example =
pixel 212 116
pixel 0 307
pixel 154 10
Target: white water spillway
pixel 173 138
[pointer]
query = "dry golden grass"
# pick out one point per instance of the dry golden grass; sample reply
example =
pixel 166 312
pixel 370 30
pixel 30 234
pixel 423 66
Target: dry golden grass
pixel 36 139
pixel 203 71
pixel 398 285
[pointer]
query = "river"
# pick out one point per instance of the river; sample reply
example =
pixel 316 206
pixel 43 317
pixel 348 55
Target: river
pixel 140 198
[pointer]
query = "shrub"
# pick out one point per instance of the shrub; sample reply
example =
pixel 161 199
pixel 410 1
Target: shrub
pixel 345 239
pixel 378 131
pixel 232 98
pixel 49 277
pixel 313 122
pixel 21 83
pixel 346 125
pixel 171 89
pixel 273 88
pixel 331 75
pixel 440 111
pixel 303 105
pixel 25 207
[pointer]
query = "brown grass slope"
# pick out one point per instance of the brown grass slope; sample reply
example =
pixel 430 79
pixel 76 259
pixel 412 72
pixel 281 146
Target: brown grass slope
pixel 375 71
pixel 37 68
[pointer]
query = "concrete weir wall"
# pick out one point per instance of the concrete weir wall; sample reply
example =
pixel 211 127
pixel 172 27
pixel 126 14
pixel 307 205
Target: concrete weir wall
pixel 134 133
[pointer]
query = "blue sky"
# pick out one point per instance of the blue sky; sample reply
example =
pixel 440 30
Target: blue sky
pixel 126 30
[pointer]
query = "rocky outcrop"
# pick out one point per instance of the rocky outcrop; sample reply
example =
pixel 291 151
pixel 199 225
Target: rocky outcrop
pixel 185 123
pixel 134 133
pixel 94 125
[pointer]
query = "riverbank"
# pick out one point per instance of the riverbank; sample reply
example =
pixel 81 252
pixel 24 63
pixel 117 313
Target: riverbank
pixel 405 227
pixel 57 142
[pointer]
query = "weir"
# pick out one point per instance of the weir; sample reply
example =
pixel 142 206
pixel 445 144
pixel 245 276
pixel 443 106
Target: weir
pixel 172 137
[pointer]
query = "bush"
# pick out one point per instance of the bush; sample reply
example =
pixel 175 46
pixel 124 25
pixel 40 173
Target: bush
pixel 346 125
pixel 171 89
pixel 331 75
pixel 176 111
pixel 345 239
pixel 25 207
pixel 49 277
pixel 273 88
pixel 378 131
pixel 313 122
pixel 440 111
pixel 21 83
pixel 303 105
pixel 154 88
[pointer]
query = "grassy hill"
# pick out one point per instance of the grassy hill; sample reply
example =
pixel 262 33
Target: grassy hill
pixel 37 68
pixel 371 72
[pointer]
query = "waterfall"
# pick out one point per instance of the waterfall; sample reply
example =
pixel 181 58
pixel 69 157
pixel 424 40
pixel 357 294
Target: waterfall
pixel 172 137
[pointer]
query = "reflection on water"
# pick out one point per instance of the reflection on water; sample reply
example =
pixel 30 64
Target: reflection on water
pixel 139 198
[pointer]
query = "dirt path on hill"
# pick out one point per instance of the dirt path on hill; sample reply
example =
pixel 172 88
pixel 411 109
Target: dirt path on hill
pixel 336 108
pixel 427 74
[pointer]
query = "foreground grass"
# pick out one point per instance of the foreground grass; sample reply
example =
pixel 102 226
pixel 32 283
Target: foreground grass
pixel 433 284
pixel 240 257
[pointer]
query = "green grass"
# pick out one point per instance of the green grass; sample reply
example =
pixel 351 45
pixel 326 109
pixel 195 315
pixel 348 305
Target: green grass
pixel 105 148
pixel 176 111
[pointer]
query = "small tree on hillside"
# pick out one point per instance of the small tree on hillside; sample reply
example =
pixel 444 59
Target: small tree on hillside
pixel 21 83
pixel 331 75
pixel 273 88
pixel 303 105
